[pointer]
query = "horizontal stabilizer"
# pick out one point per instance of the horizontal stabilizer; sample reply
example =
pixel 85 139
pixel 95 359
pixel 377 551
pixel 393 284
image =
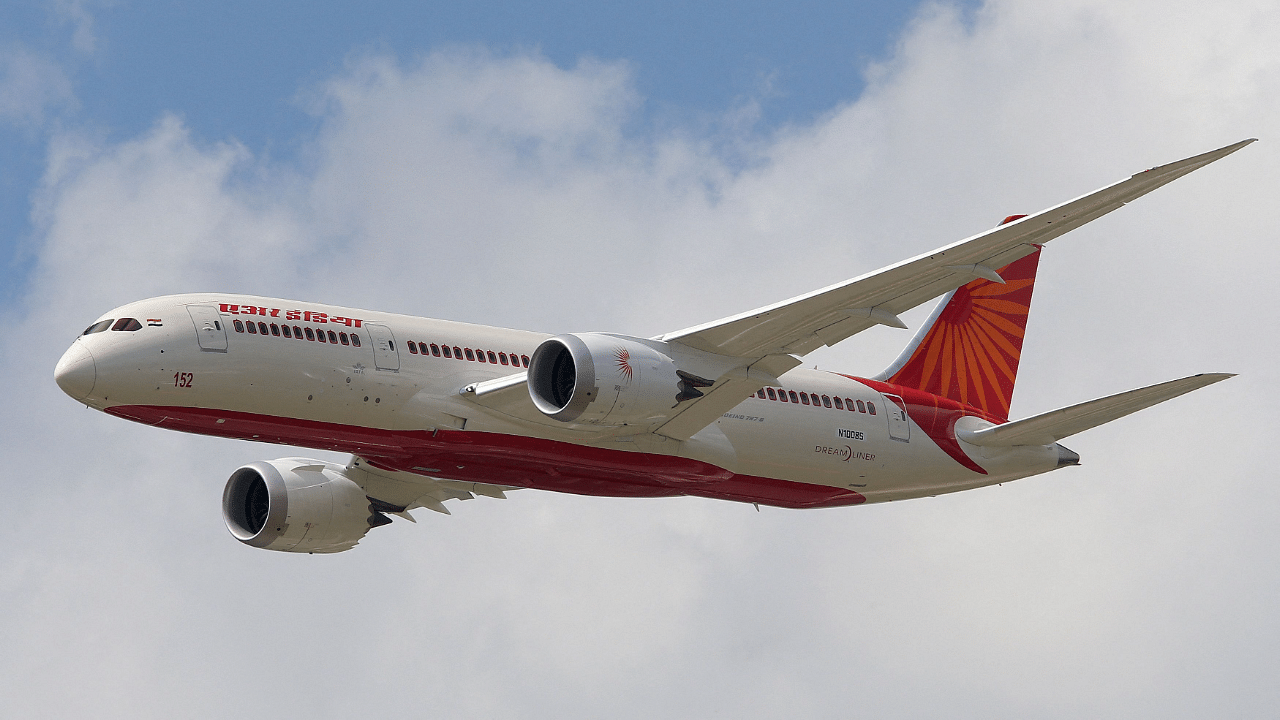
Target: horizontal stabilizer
pixel 1058 424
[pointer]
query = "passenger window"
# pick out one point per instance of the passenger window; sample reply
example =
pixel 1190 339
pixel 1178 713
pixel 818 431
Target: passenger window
pixel 333 338
pixel 792 395
pixel 861 408
pixel 839 405
pixel 470 355
pixel 253 329
pixel 275 329
pixel 343 338
pixel 760 393
pixel 127 325
pixel 97 327
pixel 447 352
pixel 239 326
pixel 262 328
pixel 871 408
pixel 492 358
pixel 284 330
pixel 804 398
pixel 826 401
pixel 413 348
pixel 502 358
pixel 480 355
pixel 297 332
pixel 772 395
pixel 524 360
pixel 310 335
pixel 355 340
pixel 435 349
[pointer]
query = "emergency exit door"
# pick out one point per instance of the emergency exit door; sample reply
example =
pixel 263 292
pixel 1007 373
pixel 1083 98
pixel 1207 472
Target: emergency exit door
pixel 210 332
pixel 385 356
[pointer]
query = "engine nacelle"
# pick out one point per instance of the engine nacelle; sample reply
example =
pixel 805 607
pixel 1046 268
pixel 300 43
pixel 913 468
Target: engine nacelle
pixel 297 505
pixel 607 380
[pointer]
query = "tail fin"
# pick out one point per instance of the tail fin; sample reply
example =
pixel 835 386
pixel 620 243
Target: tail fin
pixel 968 350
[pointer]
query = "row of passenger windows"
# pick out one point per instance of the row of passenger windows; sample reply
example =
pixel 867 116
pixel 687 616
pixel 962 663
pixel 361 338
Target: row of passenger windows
pixel 460 353
pixel 123 324
pixel 817 400
pixel 296 332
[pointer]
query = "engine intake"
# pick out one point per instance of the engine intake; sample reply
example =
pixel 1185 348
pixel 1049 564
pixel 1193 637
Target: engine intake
pixel 297 505
pixel 562 377
pixel 609 380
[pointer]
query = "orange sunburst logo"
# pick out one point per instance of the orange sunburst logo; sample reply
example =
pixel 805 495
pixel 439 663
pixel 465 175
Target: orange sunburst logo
pixel 971 352
pixel 622 358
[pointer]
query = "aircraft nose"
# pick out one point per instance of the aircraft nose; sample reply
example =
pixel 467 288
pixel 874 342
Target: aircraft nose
pixel 76 372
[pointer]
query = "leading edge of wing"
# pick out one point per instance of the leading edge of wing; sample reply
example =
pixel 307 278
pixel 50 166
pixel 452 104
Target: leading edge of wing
pixel 826 316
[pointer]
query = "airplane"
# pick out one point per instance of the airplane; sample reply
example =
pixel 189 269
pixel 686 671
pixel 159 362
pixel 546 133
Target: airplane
pixel 433 411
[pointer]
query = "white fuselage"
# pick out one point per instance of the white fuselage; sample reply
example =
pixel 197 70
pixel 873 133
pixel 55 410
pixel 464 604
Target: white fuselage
pixel 369 395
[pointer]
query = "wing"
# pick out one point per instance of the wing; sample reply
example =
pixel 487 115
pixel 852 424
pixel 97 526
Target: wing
pixel 750 350
pixel 398 492
pixel 827 316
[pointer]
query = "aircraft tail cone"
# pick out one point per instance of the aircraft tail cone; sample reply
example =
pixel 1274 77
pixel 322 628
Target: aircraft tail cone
pixel 1067 457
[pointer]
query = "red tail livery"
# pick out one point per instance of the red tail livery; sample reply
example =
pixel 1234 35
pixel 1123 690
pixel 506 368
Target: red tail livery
pixel 969 350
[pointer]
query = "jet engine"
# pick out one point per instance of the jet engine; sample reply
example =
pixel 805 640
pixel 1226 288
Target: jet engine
pixel 297 505
pixel 608 380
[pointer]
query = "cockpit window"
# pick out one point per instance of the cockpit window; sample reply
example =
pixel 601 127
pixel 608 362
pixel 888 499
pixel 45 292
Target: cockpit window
pixel 97 327
pixel 129 324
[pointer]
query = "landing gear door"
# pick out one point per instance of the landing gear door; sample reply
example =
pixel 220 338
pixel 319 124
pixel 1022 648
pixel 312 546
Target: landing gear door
pixel 899 425
pixel 210 331
pixel 385 356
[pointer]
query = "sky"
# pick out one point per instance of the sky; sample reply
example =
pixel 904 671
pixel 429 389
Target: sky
pixel 640 169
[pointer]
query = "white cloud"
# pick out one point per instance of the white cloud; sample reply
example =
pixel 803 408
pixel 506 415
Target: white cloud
pixel 77 14
pixel 505 190
pixel 31 87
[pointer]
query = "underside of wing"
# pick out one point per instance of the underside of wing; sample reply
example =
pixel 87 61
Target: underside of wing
pixel 397 493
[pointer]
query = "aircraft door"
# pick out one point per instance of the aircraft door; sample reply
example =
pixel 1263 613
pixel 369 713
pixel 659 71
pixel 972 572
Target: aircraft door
pixel 899 425
pixel 385 356
pixel 210 331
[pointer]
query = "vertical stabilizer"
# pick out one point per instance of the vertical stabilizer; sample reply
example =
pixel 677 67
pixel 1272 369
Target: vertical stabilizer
pixel 969 348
